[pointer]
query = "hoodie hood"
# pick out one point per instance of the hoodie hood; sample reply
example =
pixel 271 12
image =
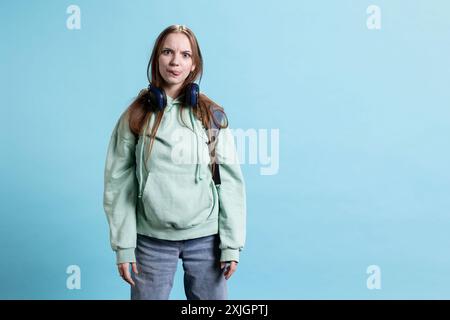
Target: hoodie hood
pixel 171 102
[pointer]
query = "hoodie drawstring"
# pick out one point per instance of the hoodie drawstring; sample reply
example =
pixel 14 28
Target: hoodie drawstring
pixel 198 176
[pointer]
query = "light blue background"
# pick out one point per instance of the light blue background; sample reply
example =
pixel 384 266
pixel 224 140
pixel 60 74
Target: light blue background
pixel 364 126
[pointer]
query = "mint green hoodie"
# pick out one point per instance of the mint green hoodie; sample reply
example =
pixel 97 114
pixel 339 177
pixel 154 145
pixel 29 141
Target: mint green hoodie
pixel 172 195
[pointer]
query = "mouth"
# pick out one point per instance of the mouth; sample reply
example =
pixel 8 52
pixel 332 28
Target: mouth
pixel 175 74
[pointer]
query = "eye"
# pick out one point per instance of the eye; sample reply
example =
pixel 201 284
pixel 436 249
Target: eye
pixel 186 55
pixel 166 51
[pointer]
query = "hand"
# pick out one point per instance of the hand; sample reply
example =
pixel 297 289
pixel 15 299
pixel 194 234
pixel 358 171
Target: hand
pixel 232 266
pixel 124 271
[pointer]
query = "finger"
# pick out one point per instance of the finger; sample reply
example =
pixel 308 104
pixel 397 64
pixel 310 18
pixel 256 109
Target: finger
pixel 228 273
pixel 224 264
pixel 134 267
pixel 127 277
pixel 121 267
pixel 230 270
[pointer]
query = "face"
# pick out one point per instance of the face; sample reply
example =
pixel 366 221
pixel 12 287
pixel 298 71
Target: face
pixel 175 60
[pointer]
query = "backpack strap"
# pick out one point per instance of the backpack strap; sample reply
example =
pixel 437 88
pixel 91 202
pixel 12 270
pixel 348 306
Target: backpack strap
pixel 213 142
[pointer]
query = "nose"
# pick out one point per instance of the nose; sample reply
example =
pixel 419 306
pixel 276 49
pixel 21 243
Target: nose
pixel 174 60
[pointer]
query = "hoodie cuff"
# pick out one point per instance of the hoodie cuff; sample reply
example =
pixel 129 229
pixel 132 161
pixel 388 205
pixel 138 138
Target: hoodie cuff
pixel 229 255
pixel 125 255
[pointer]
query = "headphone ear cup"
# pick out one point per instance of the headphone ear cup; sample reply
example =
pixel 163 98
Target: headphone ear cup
pixel 156 97
pixel 191 94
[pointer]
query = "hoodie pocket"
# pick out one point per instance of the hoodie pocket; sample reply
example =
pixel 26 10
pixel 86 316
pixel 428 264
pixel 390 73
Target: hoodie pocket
pixel 176 201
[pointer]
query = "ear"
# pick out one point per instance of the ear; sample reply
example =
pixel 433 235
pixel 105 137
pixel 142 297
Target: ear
pixel 193 68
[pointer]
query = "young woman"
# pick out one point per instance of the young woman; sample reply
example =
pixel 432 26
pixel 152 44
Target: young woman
pixel 173 184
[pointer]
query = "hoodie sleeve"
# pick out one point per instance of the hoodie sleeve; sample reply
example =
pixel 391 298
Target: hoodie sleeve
pixel 232 198
pixel 120 190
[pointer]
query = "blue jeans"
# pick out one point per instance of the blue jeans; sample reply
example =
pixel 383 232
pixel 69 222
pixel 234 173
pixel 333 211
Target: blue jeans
pixel 157 261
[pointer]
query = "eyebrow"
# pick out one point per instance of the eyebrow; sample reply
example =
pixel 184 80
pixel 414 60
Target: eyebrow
pixel 185 51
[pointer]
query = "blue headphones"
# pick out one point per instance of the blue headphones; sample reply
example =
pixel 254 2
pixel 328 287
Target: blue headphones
pixel 157 98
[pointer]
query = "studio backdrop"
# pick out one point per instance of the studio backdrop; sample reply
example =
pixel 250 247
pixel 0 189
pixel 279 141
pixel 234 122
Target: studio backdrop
pixel 341 115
